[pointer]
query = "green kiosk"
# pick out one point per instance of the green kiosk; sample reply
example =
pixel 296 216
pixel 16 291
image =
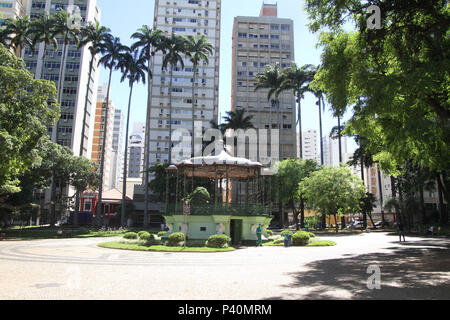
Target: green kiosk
pixel 236 213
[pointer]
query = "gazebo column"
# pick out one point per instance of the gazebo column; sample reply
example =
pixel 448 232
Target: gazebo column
pixel 216 186
pixel 176 192
pixel 247 188
pixel 184 183
pixel 262 191
pixel 257 195
pixel 193 173
pixel 228 188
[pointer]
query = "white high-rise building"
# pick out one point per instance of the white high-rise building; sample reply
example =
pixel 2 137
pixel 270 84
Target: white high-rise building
pixel 136 151
pixel 331 151
pixel 259 42
pixel 311 148
pixel 117 149
pixel 74 75
pixel 184 17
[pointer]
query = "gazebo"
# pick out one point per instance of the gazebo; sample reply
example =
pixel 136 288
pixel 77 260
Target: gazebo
pixel 238 219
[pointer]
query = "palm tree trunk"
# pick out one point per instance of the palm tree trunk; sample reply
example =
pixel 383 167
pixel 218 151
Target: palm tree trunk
pixel 102 161
pixel 43 62
pixel 125 161
pixel 364 182
pixel 279 131
pixel 300 125
pixel 380 187
pixel 170 115
pixel 147 142
pixel 340 142
pixel 322 160
pixel 193 112
pixel 83 130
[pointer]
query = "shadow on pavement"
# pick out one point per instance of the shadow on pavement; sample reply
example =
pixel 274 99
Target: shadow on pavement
pixel 417 270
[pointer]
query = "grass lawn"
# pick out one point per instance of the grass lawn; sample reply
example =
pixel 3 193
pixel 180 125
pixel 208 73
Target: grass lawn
pixel 40 233
pixel 138 247
pixel 313 243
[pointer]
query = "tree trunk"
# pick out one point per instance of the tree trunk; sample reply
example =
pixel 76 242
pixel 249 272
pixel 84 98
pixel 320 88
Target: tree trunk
pixel 380 187
pixel 102 160
pixel 147 141
pixel 335 221
pixel 302 213
pixel 300 124
pixel 170 115
pixel 422 209
pixel 295 213
pixel 340 140
pixel 443 217
pixel 193 112
pixel 322 160
pixel 125 161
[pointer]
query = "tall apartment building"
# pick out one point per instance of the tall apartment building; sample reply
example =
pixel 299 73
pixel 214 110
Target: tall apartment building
pixel 74 73
pixel 311 148
pixel 99 135
pixel 257 43
pixel 117 149
pixel 331 151
pixel 184 17
pixel 12 9
pixel 136 151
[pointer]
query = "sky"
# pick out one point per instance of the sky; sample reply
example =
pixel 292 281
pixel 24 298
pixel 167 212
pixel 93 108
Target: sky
pixel 124 20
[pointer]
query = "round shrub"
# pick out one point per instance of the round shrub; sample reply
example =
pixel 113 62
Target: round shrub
pixel 130 235
pixel 300 238
pixel 311 235
pixel 175 239
pixel 268 233
pixel 146 236
pixel 141 233
pixel 162 233
pixel 218 241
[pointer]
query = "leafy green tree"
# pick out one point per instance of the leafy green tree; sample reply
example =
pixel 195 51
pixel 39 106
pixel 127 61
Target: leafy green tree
pixel 25 112
pixel 333 192
pixel 199 196
pixel 290 174
pixel 395 79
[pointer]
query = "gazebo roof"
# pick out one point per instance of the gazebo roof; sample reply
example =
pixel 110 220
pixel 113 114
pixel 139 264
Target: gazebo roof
pixel 205 167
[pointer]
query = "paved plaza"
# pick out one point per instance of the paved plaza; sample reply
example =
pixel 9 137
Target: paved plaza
pixel 77 269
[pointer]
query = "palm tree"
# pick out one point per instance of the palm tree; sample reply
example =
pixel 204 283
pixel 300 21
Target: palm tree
pixel 112 51
pixel 336 133
pixel 68 34
pixel 172 47
pixel 321 104
pixel 96 36
pixel 237 119
pixel 149 42
pixel 16 33
pixel 297 79
pixel 133 68
pixel 198 49
pixel 43 30
pixel 272 79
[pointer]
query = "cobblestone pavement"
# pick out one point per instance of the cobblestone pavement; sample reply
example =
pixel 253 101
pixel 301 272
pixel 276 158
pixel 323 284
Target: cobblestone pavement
pixel 72 269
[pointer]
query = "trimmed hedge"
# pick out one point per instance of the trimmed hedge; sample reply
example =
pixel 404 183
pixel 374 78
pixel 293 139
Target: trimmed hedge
pixel 300 238
pixel 130 235
pixel 268 233
pixel 218 241
pixel 161 233
pixel 146 236
pixel 175 239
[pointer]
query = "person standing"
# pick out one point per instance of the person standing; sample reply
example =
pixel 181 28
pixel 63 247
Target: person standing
pixel 259 236
pixel 401 231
